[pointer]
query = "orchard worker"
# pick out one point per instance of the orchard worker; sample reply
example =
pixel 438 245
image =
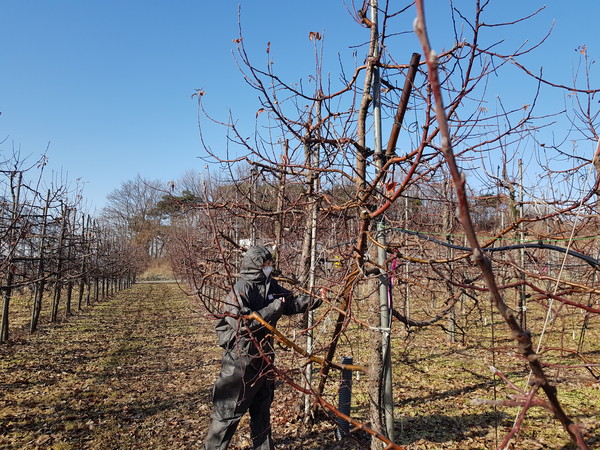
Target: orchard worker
pixel 246 380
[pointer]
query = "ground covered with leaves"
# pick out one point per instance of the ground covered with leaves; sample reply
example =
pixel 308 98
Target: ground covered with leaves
pixel 136 371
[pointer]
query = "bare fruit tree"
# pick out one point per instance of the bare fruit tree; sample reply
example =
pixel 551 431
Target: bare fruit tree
pixel 422 227
pixel 52 256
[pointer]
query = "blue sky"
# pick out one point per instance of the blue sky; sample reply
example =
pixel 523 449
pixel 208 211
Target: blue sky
pixel 107 85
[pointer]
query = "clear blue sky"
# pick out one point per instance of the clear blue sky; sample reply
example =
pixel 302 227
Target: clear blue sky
pixel 108 85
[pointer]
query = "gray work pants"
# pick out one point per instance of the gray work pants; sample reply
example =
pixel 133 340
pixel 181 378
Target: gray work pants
pixel 241 387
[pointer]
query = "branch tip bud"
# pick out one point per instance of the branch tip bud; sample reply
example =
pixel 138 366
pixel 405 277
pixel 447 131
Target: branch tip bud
pixel 417 24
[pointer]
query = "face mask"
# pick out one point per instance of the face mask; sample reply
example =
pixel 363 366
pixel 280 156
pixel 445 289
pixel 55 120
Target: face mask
pixel 267 271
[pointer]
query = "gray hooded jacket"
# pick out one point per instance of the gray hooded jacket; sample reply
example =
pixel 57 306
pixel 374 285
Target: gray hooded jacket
pixel 255 292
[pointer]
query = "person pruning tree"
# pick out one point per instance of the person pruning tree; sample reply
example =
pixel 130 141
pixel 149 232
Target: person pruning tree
pixel 246 380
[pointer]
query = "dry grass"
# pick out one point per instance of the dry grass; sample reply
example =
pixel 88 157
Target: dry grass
pixel 157 270
pixel 136 371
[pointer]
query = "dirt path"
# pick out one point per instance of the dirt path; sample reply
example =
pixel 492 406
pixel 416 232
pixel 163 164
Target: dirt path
pixel 132 372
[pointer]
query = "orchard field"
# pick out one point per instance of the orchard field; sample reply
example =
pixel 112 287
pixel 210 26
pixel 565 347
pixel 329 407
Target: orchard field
pixel 136 371
pixel 442 196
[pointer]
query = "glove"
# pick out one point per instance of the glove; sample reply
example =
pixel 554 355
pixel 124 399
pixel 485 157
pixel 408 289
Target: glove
pixel 315 302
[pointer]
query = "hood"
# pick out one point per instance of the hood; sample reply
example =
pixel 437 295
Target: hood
pixel 252 262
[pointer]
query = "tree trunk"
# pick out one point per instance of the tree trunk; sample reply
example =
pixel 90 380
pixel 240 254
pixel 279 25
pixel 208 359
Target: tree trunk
pixel 16 191
pixel 59 265
pixel 41 284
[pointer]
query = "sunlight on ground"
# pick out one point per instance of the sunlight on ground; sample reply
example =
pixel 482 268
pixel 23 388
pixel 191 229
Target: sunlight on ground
pixel 158 269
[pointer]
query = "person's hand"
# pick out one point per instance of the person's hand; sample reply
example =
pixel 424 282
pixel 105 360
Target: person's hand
pixel 281 304
pixel 317 301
